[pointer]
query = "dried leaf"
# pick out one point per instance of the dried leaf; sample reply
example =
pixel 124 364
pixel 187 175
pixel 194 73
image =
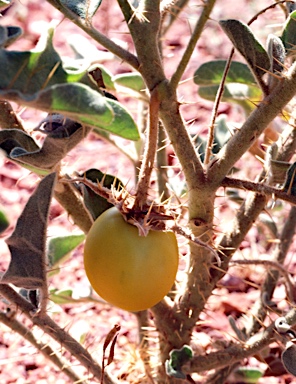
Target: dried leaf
pixel 110 338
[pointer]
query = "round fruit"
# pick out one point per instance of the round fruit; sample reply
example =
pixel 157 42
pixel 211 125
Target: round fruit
pixel 129 271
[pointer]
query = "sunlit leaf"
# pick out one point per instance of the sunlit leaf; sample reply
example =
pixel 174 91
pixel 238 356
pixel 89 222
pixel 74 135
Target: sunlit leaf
pixel 59 248
pixel 211 73
pixel 123 123
pixel 247 375
pixel 131 80
pixel 241 94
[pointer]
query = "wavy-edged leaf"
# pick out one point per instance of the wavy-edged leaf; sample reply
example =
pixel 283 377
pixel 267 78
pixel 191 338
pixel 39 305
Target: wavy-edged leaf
pixel 248 46
pixel 211 73
pixel 54 149
pixel 27 268
pixel 289 34
pixel 31 71
pixel 74 100
pixel 15 138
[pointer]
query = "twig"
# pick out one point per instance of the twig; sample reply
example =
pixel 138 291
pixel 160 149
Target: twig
pixel 259 188
pixel 161 160
pixel 143 325
pixel 173 13
pixel 45 349
pixel 149 153
pixel 269 284
pixel 96 35
pixel 199 27
pixel 59 334
pixel 210 138
pixel 189 236
pixel 271 264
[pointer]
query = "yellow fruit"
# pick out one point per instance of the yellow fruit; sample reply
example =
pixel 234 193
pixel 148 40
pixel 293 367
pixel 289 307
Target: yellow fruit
pixel 129 271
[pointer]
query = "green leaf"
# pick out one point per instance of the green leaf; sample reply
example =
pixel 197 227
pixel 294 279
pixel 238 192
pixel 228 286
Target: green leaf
pixel 69 296
pixel 82 8
pixel 132 80
pixel 76 101
pixel 178 357
pixel 123 124
pixel 247 375
pixel 241 94
pixel 289 34
pixel 27 268
pixel 248 46
pixel 4 222
pixel 63 296
pixel 31 71
pixel 38 79
pixel 211 73
pixel 59 248
pixel 96 204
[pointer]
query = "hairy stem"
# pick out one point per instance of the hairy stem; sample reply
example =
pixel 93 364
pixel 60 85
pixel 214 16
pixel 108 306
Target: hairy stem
pixel 65 194
pixel 11 322
pixel 259 188
pixel 149 153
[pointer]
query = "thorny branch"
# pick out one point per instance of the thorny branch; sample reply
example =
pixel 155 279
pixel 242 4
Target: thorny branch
pixel 50 327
